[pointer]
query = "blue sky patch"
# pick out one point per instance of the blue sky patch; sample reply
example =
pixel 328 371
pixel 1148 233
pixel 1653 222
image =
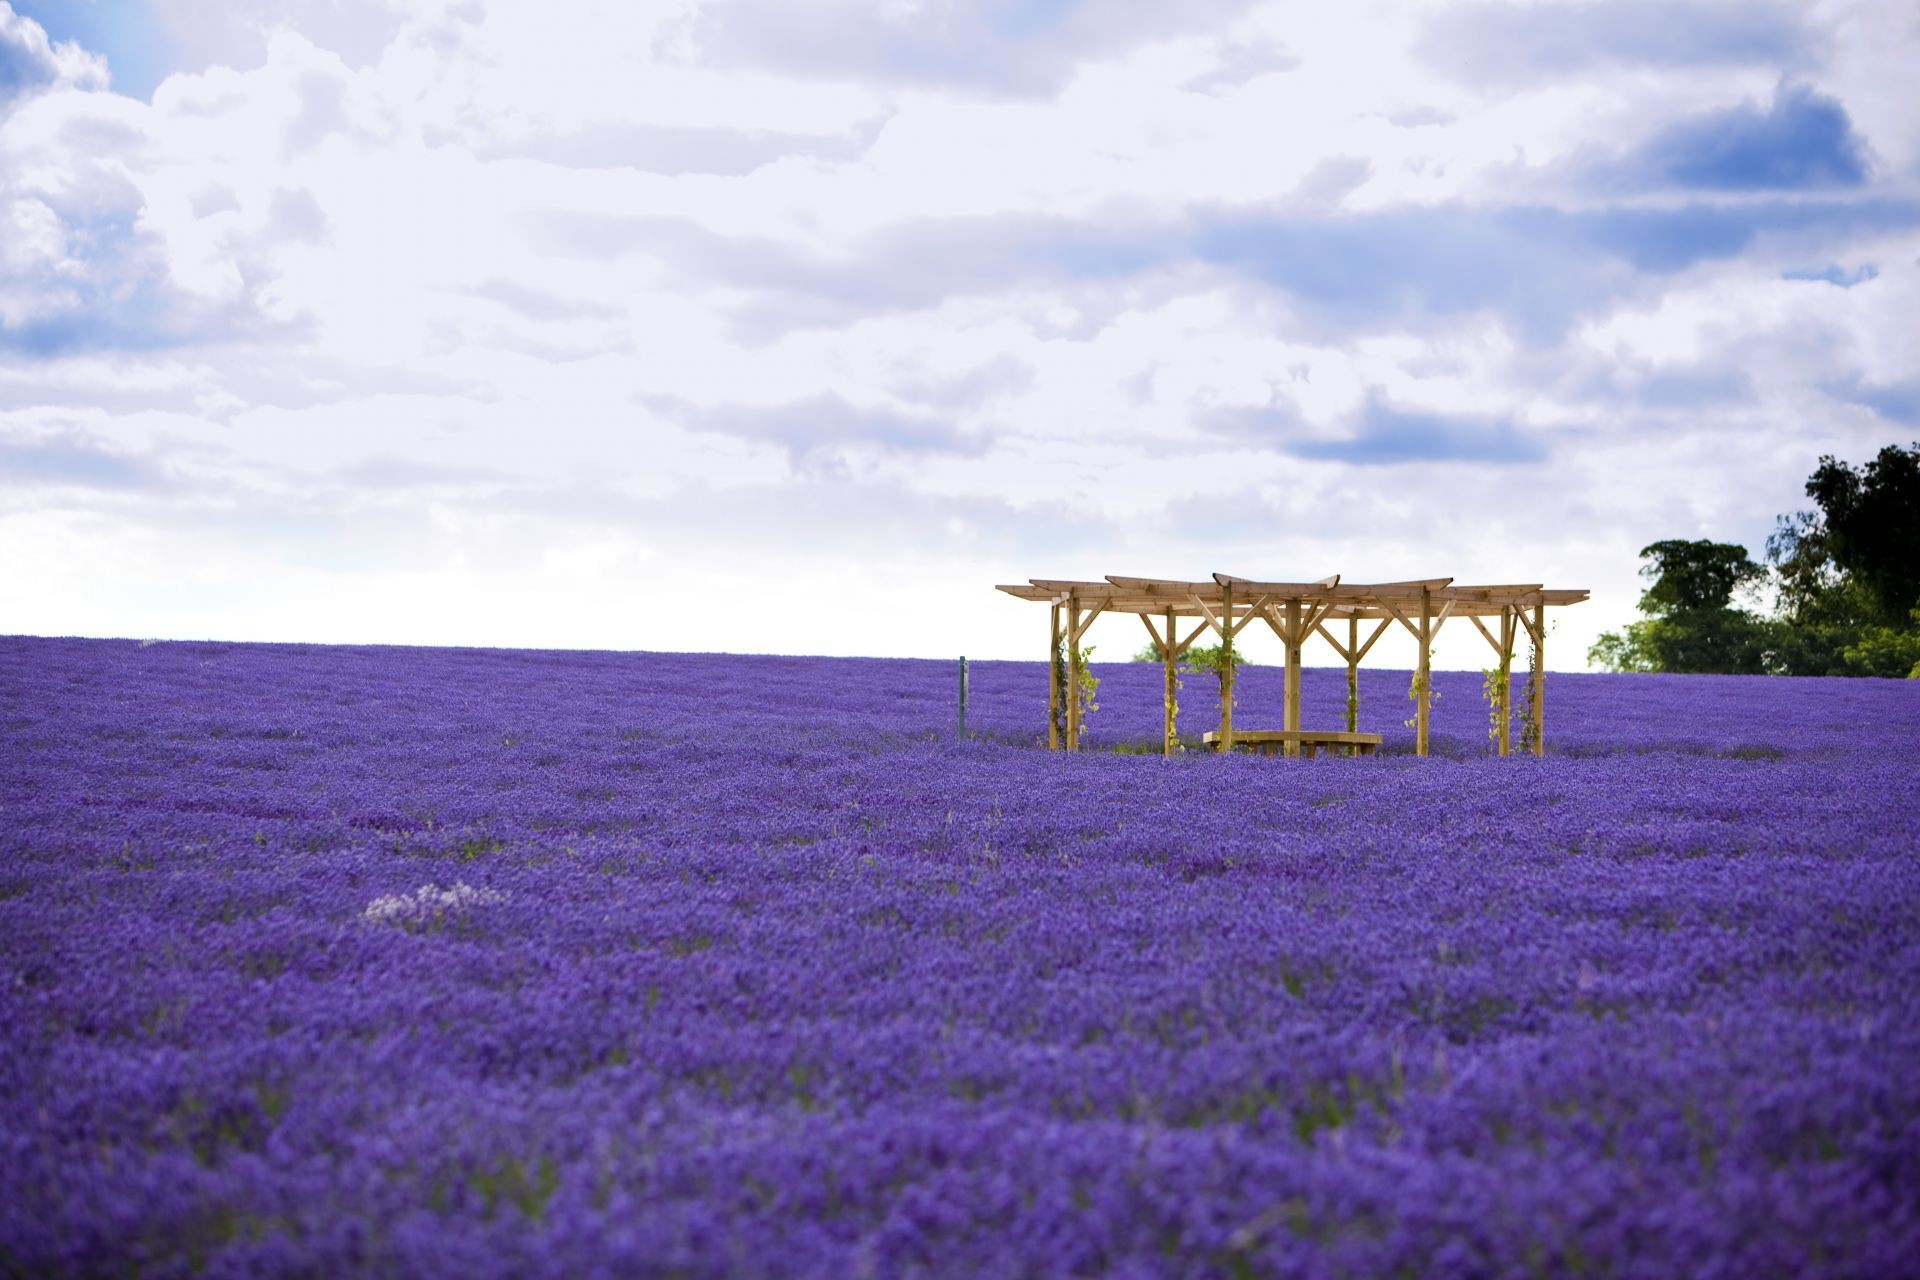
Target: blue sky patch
pixel 1803 141
pixel 1389 435
pixel 73 460
pixel 22 70
pixel 127 33
pixel 1894 401
pixel 1511 42
pixel 1835 274
pixel 1541 267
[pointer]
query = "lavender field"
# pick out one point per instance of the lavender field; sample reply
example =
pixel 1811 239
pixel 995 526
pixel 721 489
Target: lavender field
pixel 331 961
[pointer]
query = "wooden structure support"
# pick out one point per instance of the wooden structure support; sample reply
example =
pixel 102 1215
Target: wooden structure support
pixel 1295 611
pixel 1053 682
pixel 1226 629
pixel 1073 673
pixel 1301 741
pixel 1171 649
pixel 1537 630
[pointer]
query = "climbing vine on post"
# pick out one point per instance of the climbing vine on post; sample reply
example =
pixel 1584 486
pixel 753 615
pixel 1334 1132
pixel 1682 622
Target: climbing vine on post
pixel 1218 662
pixel 1173 708
pixel 1089 685
pixel 1353 698
pixel 1420 684
pixel 1528 722
pixel 1496 688
pixel 1059 710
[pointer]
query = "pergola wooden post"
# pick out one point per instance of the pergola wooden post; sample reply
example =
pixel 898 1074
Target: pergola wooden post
pixel 1423 675
pixel 1291 716
pixel 1506 680
pixel 1172 648
pixel 1226 668
pixel 1053 680
pixel 1227 605
pixel 1539 678
pixel 1513 617
pixel 1179 652
pixel 1077 625
pixel 1073 672
pixel 1352 654
pixel 1170 662
pixel 1293 634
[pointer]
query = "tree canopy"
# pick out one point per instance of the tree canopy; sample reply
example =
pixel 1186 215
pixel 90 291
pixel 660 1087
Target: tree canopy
pixel 1845 578
pixel 1695 577
pixel 1848 573
pixel 1691 624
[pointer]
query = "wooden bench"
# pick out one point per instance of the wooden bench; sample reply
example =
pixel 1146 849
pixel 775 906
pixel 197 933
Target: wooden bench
pixel 1269 741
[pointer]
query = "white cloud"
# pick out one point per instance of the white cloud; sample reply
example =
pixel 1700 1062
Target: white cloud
pixel 30 63
pixel 439 323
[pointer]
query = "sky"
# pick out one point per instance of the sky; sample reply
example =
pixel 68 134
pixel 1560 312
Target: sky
pixel 757 326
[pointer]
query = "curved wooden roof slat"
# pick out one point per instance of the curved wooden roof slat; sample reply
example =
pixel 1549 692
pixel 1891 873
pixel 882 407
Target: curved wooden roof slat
pixel 1289 590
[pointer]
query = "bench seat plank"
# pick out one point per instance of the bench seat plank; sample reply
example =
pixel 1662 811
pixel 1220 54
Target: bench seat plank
pixel 1297 735
pixel 1268 741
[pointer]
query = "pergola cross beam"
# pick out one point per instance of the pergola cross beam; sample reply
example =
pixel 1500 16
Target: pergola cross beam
pixel 1080 630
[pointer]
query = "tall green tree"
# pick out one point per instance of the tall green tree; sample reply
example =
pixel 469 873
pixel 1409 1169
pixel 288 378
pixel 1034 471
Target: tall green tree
pixel 1848 573
pixel 1691 623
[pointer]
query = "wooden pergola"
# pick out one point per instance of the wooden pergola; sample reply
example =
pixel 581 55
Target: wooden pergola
pixel 1296 611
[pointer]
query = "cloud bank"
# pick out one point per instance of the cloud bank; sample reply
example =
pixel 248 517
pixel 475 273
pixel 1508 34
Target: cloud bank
pixel 425 321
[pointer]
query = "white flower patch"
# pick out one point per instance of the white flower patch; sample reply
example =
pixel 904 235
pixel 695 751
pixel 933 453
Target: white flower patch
pixel 429 906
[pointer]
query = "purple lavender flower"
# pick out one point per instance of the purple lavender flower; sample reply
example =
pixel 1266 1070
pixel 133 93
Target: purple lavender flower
pixel 389 961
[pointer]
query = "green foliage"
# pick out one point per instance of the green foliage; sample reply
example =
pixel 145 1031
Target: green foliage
pixel 1353 699
pixel 1213 661
pixel 1060 682
pixel 1887 651
pixel 1421 683
pixel 1847 576
pixel 509 1181
pixel 1218 661
pixel 1626 650
pixel 1726 641
pixel 1869 526
pixel 1089 686
pixel 1693 576
pixel 1497 689
pixel 1691 623
pixel 1210 661
pixel 1529 700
